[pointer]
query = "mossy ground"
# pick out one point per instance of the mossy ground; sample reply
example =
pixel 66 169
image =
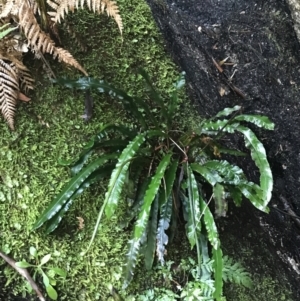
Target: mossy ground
pixel 50 127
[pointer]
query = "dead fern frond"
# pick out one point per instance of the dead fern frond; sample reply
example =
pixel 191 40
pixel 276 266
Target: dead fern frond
pixel 66 56
pixel 9 90
pixel 40 41
pixel 13 74
pixel 26 81
pixel 62 8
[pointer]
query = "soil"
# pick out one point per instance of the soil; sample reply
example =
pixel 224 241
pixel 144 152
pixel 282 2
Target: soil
pixel 262 75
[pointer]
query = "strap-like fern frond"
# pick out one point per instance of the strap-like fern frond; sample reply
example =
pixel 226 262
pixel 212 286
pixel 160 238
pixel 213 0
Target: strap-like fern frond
pixel 163 225
pixel 143 218
pixel 151 239
pixel 62 8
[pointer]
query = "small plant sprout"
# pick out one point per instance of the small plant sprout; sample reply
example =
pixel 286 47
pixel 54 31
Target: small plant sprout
pixel 47 273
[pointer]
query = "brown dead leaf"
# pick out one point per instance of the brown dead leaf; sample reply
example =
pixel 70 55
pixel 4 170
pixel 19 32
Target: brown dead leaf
pixel 23 97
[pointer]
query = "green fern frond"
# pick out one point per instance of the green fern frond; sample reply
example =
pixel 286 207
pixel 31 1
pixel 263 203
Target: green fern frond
pixel 220 200
pixel 142 221
pixel 163 225
pixel 258 120
pixel 218 272
pixel 151 239
pixel 117 180
pixel 236 273
pixel 258 154
pixel 71 188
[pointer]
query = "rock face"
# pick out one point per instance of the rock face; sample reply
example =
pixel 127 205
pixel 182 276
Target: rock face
pixel 295 12
pixel 262 75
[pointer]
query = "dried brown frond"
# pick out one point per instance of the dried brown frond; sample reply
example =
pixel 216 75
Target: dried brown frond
pixel 7 8
pixel 62 7
pixel 26 81
pixel 66 56
pixel 39 40
pixel 9 90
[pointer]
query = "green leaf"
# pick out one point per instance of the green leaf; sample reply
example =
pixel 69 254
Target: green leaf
pixel 60 272
pixel 77 167
pixel 87 83
pixel 114 145
pixel 97 142
pixel 211 176
pixel 142 221
pixel 180 82
pixel 46 280
pixel 151 242
pixel 210 225
pixel 5 32
pixel 132 211
pixel 163 225
pixel 64 162
pixel 218 269
pixel 229 173
pixel 254 193
pixel 259 156
pixel 214 127
pixel 220 200
pixel 23 264
pixel 153 94
pixel 173 103
pixel 228 111
pixel 119 173
pixel 51 292
pixel 206 268
pixel 235 194
pixel 150 195
pixel 234 272
pixel 258 120
pixel 70 188
pixel 117 180
pixel 194 211
pixel 45 259
pixel 101 172
pixel 168 182
pixel 33 251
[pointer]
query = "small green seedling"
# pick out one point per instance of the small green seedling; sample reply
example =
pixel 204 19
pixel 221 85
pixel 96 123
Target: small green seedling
pixel 48 277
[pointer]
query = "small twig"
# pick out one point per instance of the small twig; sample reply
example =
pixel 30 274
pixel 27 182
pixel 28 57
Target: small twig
pixel 179 148
pixel 217 65
pixel 25 274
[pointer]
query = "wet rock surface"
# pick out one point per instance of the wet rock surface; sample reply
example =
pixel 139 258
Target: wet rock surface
pixel 262 74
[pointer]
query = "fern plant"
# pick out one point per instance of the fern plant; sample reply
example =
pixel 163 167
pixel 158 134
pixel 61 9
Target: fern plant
pixel 163 171
pixel 27 16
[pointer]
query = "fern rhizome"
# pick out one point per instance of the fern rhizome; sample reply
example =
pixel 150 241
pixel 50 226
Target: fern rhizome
pixel 22 15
